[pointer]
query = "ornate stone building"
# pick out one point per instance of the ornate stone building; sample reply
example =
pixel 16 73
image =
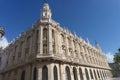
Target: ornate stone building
pixel 49 52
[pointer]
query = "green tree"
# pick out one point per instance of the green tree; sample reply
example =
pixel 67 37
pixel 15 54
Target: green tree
pixel 117 57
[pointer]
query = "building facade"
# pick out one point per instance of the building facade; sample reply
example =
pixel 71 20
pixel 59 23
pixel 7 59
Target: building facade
pixel 49 52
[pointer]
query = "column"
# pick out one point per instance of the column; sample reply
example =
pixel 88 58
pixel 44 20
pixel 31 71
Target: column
pixel 39 74
pixel 28 71
pixel 78 74
pixel 96 74
pixel 50 72
pixel 40 41
pixel 89 73
pixel 71 72
pixel 62 72
pixel 93 74
pixel 100 75
pixel 50 52
pixel 83 71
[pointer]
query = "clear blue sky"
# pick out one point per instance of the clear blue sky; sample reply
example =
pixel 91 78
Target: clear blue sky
pixel 94 19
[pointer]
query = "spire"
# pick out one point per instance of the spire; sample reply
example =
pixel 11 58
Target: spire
pixel 46 11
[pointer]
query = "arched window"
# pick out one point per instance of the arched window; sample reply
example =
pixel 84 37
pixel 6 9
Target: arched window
pixel 75 73
pixel 35 74
pixel 95 75
pixel 81 74
pixel 68 77
pixel 55 73
pixel 87 76
pixel 91 74
pixel 44 73
pixel 23 75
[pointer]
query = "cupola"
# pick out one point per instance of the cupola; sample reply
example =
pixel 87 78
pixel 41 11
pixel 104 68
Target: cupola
pixel 46 11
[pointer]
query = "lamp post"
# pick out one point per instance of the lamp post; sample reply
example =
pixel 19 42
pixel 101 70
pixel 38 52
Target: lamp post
pixel 1 32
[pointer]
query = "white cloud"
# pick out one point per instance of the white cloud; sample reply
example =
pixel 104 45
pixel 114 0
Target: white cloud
pixel 3 42
pixel 110 57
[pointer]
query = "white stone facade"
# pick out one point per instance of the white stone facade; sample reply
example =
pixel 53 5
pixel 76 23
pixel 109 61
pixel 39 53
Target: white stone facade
pixel 49 52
